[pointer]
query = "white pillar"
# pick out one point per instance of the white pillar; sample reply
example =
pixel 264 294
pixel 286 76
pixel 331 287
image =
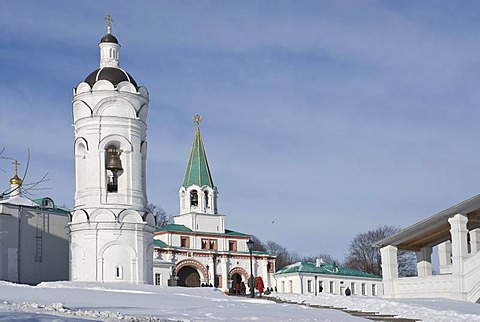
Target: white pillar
pixel 424 261
pixel 475 240
pixel 458 231
pixel 445 257
pixel 224 273
pixel 389 269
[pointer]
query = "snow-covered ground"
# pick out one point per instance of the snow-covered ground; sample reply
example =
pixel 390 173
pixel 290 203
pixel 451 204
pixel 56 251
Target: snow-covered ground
pixel 68 301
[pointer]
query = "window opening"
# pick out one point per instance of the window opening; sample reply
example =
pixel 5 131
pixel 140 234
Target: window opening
pixel 194 198
pixel 118 272
pixel 232 246
pixel 206 199
pixel 114 165
pixel 184 242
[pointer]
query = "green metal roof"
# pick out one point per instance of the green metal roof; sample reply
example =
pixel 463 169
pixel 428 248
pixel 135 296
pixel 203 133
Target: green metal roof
pixel 326 268
pixel 53 209
pixel 182 228
pixel 174 227
pixel 197 171
pixel 159 243
pixel 234 233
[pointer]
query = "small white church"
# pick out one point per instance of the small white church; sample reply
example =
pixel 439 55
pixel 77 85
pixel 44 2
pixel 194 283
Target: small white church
pixel 33 239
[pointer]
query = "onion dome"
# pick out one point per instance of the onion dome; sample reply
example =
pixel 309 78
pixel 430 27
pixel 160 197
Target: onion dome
pixel 109 61
pixel 16 180
pixel 113 74
pixel 109 38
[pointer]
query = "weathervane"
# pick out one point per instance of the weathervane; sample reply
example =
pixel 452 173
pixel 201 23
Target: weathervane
pixel 109 20
pixel 197 119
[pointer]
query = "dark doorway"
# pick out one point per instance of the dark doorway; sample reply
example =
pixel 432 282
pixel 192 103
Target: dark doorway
pixel 236 280
pixel 188 276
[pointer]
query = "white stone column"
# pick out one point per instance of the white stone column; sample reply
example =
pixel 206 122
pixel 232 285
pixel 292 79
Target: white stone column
pixel 475 240
pixel 424 261
pixel 458 231
pixel 225 272
pixel 389 269
pixel 445 257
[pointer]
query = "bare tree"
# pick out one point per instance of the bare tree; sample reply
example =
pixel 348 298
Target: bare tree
pixel 161 216
pixel 366 258
pixel 284 257
pixel 257 244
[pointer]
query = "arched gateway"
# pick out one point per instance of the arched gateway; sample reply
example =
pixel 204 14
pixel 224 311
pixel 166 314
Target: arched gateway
pixel 191 273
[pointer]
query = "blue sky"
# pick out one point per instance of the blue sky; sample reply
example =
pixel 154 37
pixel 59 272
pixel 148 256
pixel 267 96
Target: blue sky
pixel 328 117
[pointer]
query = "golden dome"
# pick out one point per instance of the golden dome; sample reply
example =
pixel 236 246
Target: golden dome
pixel 16 180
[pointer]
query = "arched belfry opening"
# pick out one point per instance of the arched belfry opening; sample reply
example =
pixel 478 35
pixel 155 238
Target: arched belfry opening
pixel 205 193
pixel 194 198
pixel 113 165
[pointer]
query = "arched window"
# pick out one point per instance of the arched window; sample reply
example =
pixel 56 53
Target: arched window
pixel 194 198
pixel 206 198
pixel 47 203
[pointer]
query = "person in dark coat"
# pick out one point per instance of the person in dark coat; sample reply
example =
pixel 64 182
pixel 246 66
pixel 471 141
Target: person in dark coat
pixel 243 288
pixel 348 292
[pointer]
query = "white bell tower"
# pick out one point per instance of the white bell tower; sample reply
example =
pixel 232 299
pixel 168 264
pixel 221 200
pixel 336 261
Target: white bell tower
pixel 111 230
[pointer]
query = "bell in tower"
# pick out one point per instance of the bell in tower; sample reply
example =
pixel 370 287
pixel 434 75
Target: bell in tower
pixel 113 164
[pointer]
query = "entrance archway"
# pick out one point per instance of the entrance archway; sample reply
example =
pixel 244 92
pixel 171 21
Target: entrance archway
pixel 188 276
pixel 236 279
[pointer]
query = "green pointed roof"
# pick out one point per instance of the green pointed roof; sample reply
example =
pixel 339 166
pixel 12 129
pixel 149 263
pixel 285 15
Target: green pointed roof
pixel 197 171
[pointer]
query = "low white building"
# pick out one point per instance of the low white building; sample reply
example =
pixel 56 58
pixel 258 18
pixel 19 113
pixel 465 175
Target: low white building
pixel 314 278
pixel 33 238
pixel 197 249
pixel 456 232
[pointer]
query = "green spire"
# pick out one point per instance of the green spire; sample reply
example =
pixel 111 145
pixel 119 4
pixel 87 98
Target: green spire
pixel 197 171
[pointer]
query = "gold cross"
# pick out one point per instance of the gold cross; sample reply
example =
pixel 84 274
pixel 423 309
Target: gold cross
pixel 16 163
pixel 109 21
pixel 197 119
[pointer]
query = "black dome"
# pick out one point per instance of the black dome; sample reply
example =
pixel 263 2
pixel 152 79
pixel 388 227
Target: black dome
pixel 109 38
pixel 112 74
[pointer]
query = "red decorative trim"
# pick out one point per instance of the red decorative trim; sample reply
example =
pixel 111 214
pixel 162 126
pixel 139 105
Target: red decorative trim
pixel 193 263
pixel 238 270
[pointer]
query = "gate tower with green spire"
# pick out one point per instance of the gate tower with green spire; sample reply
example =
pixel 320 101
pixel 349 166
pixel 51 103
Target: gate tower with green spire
pixel 198 195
